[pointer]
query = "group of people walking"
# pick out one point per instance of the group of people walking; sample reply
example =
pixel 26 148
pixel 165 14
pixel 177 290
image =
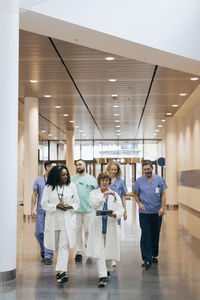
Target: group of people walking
pixel 67 206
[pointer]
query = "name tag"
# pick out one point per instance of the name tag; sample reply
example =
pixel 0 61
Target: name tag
pixel 157 190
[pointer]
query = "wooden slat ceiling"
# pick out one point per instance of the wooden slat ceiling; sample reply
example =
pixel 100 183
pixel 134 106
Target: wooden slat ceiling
pixel 39 61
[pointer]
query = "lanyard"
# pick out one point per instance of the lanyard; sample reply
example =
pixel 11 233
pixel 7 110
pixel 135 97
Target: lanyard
pixel 60 196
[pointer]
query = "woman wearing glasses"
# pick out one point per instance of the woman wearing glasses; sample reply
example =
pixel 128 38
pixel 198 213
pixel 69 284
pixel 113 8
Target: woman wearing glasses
pixel 60 200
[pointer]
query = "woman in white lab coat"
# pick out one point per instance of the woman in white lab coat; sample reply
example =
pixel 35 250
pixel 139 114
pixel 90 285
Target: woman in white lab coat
pixel 60 200
pixel 103 239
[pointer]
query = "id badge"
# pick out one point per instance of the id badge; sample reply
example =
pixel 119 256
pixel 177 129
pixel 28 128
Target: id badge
pixel 157 190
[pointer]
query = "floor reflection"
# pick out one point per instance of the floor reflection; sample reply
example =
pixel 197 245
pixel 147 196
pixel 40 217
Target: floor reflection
pixel 175 277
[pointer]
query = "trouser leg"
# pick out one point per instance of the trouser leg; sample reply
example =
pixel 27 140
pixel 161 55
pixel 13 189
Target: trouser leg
pixel 62 251
pixel 155 234
pixel 145 241
pixel 101 262
pixel 86 221
pixel 39 233
pixel 79 234
pixel 109 265
pixel 39 230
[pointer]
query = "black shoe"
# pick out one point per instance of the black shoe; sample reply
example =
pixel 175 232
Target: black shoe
pixel 42 254
pixel 154 260
pixel 146 265
pixel 62 277
pixel 102 282
pixel 48 261
pixel 108 275
pixel 78 258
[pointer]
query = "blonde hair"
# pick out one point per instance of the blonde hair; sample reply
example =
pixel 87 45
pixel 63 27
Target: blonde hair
pixel 114 163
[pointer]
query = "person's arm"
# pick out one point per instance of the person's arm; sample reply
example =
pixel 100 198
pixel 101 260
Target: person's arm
pixel 163 200
pixel 33 203
pixel 46 205
pixel 76 202
pixel 124 206
pixel 118 213
pixel 140 205
pixel 96 199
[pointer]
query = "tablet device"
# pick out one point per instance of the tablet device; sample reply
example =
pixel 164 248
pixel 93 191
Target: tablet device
pixel 103 212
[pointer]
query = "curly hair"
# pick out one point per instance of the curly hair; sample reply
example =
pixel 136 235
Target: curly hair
pixel 103 175
pixel 114 163
pixel 54 176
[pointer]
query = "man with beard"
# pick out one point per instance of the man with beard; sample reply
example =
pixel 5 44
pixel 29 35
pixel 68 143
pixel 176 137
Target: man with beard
pixel 149 192
pixel 85 183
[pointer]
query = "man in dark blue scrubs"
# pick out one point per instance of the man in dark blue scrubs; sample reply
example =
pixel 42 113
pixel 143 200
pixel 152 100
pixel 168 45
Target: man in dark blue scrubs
pixel 149 192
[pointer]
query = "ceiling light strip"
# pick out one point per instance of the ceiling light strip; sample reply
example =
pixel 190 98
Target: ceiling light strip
pixel 54 46
pixel 147 97
pixel 45 118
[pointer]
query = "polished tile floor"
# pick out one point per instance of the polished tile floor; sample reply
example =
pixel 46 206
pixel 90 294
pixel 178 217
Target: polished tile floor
pixel 177 276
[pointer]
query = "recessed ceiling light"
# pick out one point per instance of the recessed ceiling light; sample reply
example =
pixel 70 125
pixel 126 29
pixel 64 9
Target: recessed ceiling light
pixel 117 121
pixel 156 130
pixel 114 95
pixel 174 105
pixel 117 126
pixel 160 126
pixel 43 131
pixel 55 137
pixel 71 121
pixel 194 78
pixel 109 58
pixel 65 115
pixel 154 134
pixel 116 115
pixel 49 134
pixel 57 106
pixel 163 120
pixel 118 130
pixel 47 96
pixel 76 126
pixel 33 81
pixel 168 114
pixel 115 106
pixel 118 134
pixel 112 80
pixel 182 94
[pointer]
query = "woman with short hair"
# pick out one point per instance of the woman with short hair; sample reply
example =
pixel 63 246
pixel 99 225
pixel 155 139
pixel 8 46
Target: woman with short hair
pixel 103 240
pixel 60 200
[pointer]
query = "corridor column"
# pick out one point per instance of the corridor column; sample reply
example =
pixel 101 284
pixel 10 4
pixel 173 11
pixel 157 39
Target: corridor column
pixel 9 52
pixel 70 151
pixel 30 149
pixel 171 162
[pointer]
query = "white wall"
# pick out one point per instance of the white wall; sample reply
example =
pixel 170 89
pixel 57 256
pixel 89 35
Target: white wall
pixel 154 31
pixel 20 177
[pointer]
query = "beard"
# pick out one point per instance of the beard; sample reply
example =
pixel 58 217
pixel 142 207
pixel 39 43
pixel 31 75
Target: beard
pixel 148 174
pixel 80 171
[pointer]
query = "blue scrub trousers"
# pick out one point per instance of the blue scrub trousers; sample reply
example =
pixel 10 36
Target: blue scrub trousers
pixel 39 234
pixel 150 225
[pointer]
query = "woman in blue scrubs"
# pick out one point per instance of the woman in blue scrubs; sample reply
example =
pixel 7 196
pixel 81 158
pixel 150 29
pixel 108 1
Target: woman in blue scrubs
pixel 117 184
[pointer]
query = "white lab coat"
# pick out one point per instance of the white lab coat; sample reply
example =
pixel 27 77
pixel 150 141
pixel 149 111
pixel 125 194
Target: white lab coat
pixel 49 201
pixel 95 246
